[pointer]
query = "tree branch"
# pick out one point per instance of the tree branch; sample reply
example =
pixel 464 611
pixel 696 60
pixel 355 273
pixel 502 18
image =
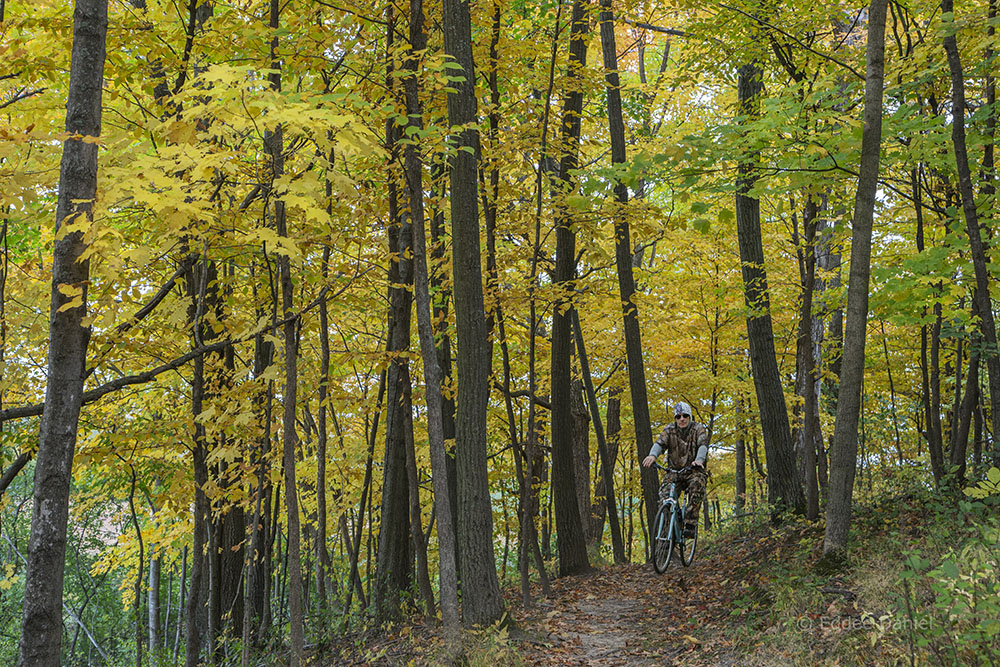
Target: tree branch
pixel 798 41
pixel 142 378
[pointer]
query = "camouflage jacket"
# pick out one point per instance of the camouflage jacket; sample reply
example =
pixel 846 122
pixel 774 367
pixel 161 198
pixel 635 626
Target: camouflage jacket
pixel 682 447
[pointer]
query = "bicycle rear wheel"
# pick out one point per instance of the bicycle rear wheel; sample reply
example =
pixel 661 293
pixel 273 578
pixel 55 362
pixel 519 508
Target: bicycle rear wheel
pixel 663 542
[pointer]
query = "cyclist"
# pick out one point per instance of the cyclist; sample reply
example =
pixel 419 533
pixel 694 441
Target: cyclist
pixel 686 444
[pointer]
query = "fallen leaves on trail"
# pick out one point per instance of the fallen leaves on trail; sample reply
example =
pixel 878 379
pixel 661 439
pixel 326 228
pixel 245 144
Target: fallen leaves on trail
pixel 628 615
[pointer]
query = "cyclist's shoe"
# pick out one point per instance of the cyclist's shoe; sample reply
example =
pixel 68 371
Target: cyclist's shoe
pixel 690 531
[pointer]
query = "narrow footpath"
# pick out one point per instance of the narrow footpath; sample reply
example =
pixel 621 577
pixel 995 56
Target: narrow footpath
pixel 629 615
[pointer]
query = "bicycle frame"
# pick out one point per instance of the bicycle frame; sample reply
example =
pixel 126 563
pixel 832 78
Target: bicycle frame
pixel 669 531
pixel 674 530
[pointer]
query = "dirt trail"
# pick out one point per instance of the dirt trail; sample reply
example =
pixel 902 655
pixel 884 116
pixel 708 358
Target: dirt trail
pixel 622 615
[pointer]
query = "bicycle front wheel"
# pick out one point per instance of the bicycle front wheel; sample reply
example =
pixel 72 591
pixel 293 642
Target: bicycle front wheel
pixel 663 541
pixel 687 548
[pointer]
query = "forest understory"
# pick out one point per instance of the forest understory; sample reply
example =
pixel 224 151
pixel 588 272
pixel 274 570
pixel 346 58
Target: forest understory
pixel 758 595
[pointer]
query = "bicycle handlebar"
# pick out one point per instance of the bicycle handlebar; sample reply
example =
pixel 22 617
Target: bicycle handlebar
pixel 676 471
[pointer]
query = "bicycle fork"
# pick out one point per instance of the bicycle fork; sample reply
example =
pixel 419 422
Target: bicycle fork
pixel 671 522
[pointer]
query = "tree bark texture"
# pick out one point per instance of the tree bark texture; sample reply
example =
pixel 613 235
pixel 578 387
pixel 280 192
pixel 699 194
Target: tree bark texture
pixel 41 624
pixel 482 603
pixel 844 451
pixel 784 489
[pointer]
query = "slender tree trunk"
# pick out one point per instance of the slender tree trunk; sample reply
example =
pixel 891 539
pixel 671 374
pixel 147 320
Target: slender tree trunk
pixel 892 396
pixel 197 597
pixel 963 420
pixel 275 145
pixel 741 472
pixel 580 438
pixel 482 603
pixel 984 304
pixel 928 366
pixel 784 489
pixel 416 521
pixel 41 621
pixel 844 451
pixel 448 574
pixel 153 617
pixel 805 361
pixel 365 493
pixel 441 288
pixel 181 599
pixel 258 556
pixel 322 555
pixel 623 263
pixel 602 488
pixel 935 443
pixel 607 462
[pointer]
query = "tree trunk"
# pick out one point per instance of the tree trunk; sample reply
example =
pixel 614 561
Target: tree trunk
pixel 482 603
pixel 569 526
pixel 196 609
pixel 354 557
pixel 41 624
pixel 623 263
pixel 607 459
pixel 322 555
pixel 153 618
pixel 844 451
pixel 808 430
pixel 274 145
pixel 602 501
pixel 741 472
pixel 963 420
pixel 394 563
pixel 416 522
pixel 784 489
pixel 440 287
pixel 984 304
pixel 581 454
pixel 448 574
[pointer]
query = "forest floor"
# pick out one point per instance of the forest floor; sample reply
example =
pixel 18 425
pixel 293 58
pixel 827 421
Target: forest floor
pixel 710 613
pixel 754 595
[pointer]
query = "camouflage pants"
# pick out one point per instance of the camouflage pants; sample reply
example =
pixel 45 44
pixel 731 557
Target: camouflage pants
pixel 693 483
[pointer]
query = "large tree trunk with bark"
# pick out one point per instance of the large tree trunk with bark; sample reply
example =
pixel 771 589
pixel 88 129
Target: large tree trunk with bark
pixel 843 453
pixel 569 525
pixel 41 621
pixel 394 562
pixel 784 489
pixel 482 603
pixel 448 574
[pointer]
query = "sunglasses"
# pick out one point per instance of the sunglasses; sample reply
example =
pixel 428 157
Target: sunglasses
pixel 683 417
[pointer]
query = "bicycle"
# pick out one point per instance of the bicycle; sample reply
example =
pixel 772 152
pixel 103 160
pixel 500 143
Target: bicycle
pixel 669 527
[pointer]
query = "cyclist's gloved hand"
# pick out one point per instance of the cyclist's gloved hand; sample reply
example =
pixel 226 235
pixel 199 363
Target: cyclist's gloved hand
pixel 698 464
